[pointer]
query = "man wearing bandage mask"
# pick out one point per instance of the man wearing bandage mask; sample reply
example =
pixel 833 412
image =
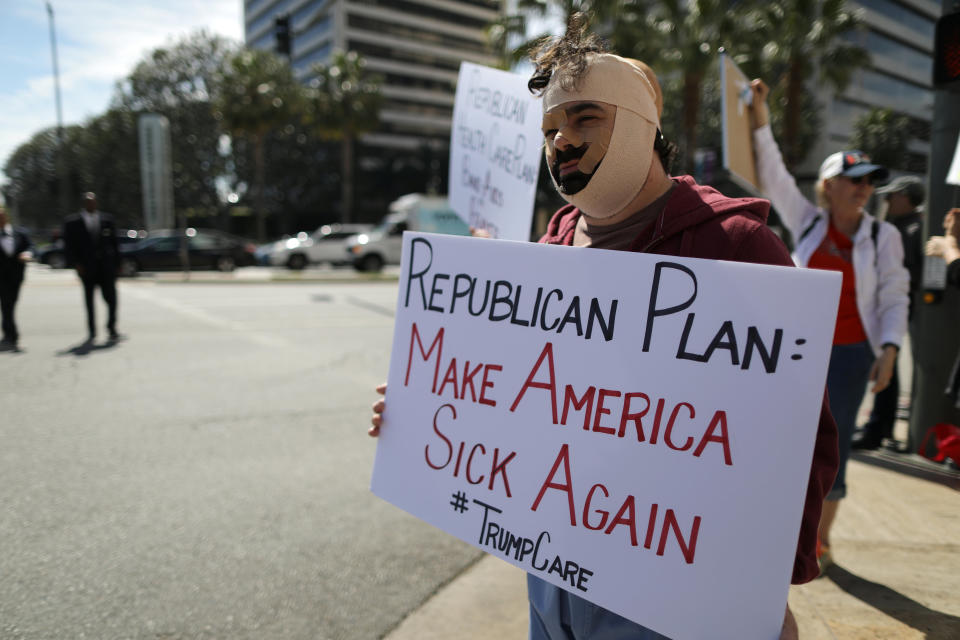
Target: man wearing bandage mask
pixel 609 161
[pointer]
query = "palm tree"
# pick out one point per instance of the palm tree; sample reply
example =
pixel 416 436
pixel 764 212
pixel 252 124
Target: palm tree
pixel 681 38
pixel 883 134
pixel 510 35
pixel 796 41
pixel 345 103
pixel 257 95
pixel 677 38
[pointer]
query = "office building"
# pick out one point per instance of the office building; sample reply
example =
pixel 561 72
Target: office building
pixel 416 46
pixel 899 37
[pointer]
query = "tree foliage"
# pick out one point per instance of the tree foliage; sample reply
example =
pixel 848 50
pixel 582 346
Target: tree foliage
pixel 679 39
pixel 513 36
pixel 345 103
pixel 102 154
pixel 108 163
pixel 256 95
pixel 884 135
pixel 240 123
pixel 34 185
pixel 783 42
pixel 180 82
pixel 795 45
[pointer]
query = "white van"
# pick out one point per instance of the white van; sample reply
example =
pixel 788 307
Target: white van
pixel 415 212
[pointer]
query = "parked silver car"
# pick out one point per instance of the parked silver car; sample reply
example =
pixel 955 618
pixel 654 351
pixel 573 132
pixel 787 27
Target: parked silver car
pixel 326 244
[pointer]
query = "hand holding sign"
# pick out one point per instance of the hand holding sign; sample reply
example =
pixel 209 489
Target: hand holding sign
pixel 378 406
pixel 789 630
pixel 759 111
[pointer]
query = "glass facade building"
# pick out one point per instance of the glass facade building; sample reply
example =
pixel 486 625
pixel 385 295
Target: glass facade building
pixel 899 37
pixel 416 46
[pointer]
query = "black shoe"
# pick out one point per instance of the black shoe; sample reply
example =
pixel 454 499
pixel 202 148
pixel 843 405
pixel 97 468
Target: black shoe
pixel 115 337
pixel 8 345
pixel 865 442
pixel 894 446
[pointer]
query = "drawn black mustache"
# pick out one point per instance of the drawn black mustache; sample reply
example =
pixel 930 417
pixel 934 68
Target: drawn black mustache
pixel 573 153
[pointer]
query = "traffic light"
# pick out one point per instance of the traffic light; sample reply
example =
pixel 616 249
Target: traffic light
pixel 281 32
pixel 946 53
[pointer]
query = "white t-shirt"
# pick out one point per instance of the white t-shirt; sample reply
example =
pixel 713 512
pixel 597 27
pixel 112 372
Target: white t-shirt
pixel 7 241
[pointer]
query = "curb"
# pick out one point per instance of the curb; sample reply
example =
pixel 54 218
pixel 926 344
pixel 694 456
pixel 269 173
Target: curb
pixel 910 464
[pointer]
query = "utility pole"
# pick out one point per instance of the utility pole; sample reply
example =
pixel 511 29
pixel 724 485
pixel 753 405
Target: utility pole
pixel 61 156
pixel 936 338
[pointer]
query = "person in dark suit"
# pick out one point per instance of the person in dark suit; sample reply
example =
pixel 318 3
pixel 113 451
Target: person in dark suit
pixel 90 246
pixel 15 252
pixel 905 197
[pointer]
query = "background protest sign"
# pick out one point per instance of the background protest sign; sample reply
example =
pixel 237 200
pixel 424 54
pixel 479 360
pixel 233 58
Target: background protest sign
pixel 495 149
pixel 953 174
pixel 615 423
pixel 738 158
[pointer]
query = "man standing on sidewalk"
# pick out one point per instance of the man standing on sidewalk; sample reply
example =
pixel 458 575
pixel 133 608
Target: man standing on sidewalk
pixel 90 244
pixel 905 197
pixel 609 160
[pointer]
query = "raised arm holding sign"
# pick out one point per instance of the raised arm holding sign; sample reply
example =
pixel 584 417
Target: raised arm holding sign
pixel 644 434
pixel 837 233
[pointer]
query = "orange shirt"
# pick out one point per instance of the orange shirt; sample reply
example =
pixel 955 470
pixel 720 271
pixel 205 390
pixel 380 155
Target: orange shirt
pixel 835 253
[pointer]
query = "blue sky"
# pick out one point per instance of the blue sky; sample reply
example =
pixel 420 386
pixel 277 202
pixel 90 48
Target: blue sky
pixel 98 43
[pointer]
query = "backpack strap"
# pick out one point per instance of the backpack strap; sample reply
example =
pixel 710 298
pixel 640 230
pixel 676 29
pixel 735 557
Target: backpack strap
pixel 809 228
pixel 874 232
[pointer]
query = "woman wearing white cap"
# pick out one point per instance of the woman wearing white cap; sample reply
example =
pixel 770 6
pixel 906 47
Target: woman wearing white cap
pixel 837 234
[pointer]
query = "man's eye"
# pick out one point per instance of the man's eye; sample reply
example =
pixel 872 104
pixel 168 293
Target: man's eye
pixel 549 133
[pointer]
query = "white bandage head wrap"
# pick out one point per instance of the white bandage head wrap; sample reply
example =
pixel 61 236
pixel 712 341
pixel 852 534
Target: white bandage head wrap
pixel 623 171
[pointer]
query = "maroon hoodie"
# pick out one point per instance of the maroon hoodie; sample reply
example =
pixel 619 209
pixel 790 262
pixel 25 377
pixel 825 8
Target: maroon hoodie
pixel 700 222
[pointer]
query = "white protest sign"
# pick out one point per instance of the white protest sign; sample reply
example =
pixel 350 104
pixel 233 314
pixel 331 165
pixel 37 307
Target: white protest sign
pixel 953 175
pixel 495 149
pixel 634 428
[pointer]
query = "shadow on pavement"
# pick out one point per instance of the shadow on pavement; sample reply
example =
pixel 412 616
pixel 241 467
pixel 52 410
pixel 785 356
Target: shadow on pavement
pixel 936 625
pixel 87 347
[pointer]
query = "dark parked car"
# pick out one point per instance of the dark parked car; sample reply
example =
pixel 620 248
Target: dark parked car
pixel 208 249
pixel 53 254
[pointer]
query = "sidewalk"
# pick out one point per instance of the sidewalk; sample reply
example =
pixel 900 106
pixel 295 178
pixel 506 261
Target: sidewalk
pixel 42 274
pixel 896 542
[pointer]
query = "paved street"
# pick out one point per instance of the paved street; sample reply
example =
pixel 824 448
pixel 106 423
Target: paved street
pixel 208 476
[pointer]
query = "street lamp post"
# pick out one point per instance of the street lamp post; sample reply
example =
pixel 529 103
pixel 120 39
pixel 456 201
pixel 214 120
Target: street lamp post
pixel 61 158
